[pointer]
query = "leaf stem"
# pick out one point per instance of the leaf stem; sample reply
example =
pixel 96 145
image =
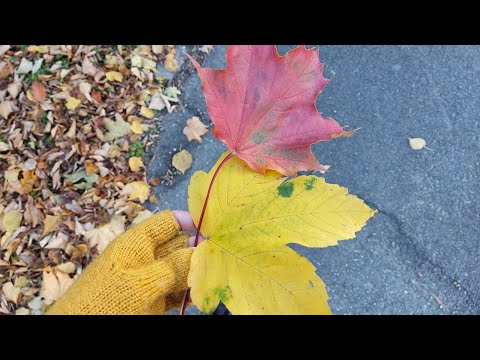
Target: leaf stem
pixel 200 221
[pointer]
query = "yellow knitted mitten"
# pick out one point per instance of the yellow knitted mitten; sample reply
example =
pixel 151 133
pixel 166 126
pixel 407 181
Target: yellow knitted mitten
pixel 143 271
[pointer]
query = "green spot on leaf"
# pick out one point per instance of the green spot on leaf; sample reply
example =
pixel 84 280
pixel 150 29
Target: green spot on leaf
pixel 286 189
pixel 224 294
pixel 310 182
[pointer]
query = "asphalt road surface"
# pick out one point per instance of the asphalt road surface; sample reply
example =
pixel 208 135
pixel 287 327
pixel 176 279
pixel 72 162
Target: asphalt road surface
pixel 420 253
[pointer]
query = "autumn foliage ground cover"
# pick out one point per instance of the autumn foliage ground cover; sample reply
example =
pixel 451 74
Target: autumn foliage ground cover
pixel 75 122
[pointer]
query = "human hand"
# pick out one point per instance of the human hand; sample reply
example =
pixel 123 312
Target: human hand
pixel 143 271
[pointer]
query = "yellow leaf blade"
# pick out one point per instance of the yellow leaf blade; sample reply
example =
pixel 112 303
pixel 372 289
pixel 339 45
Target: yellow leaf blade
pixel 182 161
pixel 135 163
pixel 305 210
pixel 72 103
pixel 255 279
pixel 138 190
pixel 114 76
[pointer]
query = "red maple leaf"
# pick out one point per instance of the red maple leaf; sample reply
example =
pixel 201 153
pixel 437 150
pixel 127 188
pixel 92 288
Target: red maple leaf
pixel 263 106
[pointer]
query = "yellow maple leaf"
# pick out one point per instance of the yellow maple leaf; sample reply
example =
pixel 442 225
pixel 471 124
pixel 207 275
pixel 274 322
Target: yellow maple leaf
pixel 135 163
pixel 72 103
pixel 182 161
pixel 114 76
pixel 90 168
pixel 51 223
pixel 148 113
pixel 41 49
pixel 136 127
pixel 28 180
pixel 245 263
pixel 137 190
pixel 11 220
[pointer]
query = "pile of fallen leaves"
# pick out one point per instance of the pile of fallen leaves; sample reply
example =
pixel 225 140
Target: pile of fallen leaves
pixel 72 135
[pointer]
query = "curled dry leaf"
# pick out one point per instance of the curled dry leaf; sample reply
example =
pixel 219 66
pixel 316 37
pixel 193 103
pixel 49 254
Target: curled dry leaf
pixel 170 63
pixel 39 92
pixel 72 103
pixel 5 48
pixel 135 163
pixel 25 66
pixel 148 113
pixel 136 127
pixel 114 76
pixel 6 69
pixel 206 49
pixel 157 49
pixel 51 223
pixel 5 109
pixel 67 268
pixel 142 215
pixel 54 285
pixel 14 89
pixel 11 292
pixel 195 129
pixel 104 234
pixel 137 190
pixel 417 143
pixel 182 161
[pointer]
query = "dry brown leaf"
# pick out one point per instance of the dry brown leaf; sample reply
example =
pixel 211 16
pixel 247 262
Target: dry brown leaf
pixel 155 181
pixel 11 292
pixel 206 48
pixel 156 102
pixel 14 89
pixel 5 48
pixel 67 268
pixel 90 168
pixel 6 69
pixel 5 109
pixel 153 199
pixel 157 49
pixel 170 63
pixel 195 129
pixel 132 209
pixel 182 161
pixel 97 96
pixel 71 133
pixel 104 234
pixel 22 311
pixel 51 223
pixel 85 88
pixel 38 91
pixel 88 68
pixel 417 143
pixel 54 285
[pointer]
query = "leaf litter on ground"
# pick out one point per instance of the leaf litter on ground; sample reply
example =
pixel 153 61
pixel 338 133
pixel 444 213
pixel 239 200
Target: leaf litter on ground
pixel 73 128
